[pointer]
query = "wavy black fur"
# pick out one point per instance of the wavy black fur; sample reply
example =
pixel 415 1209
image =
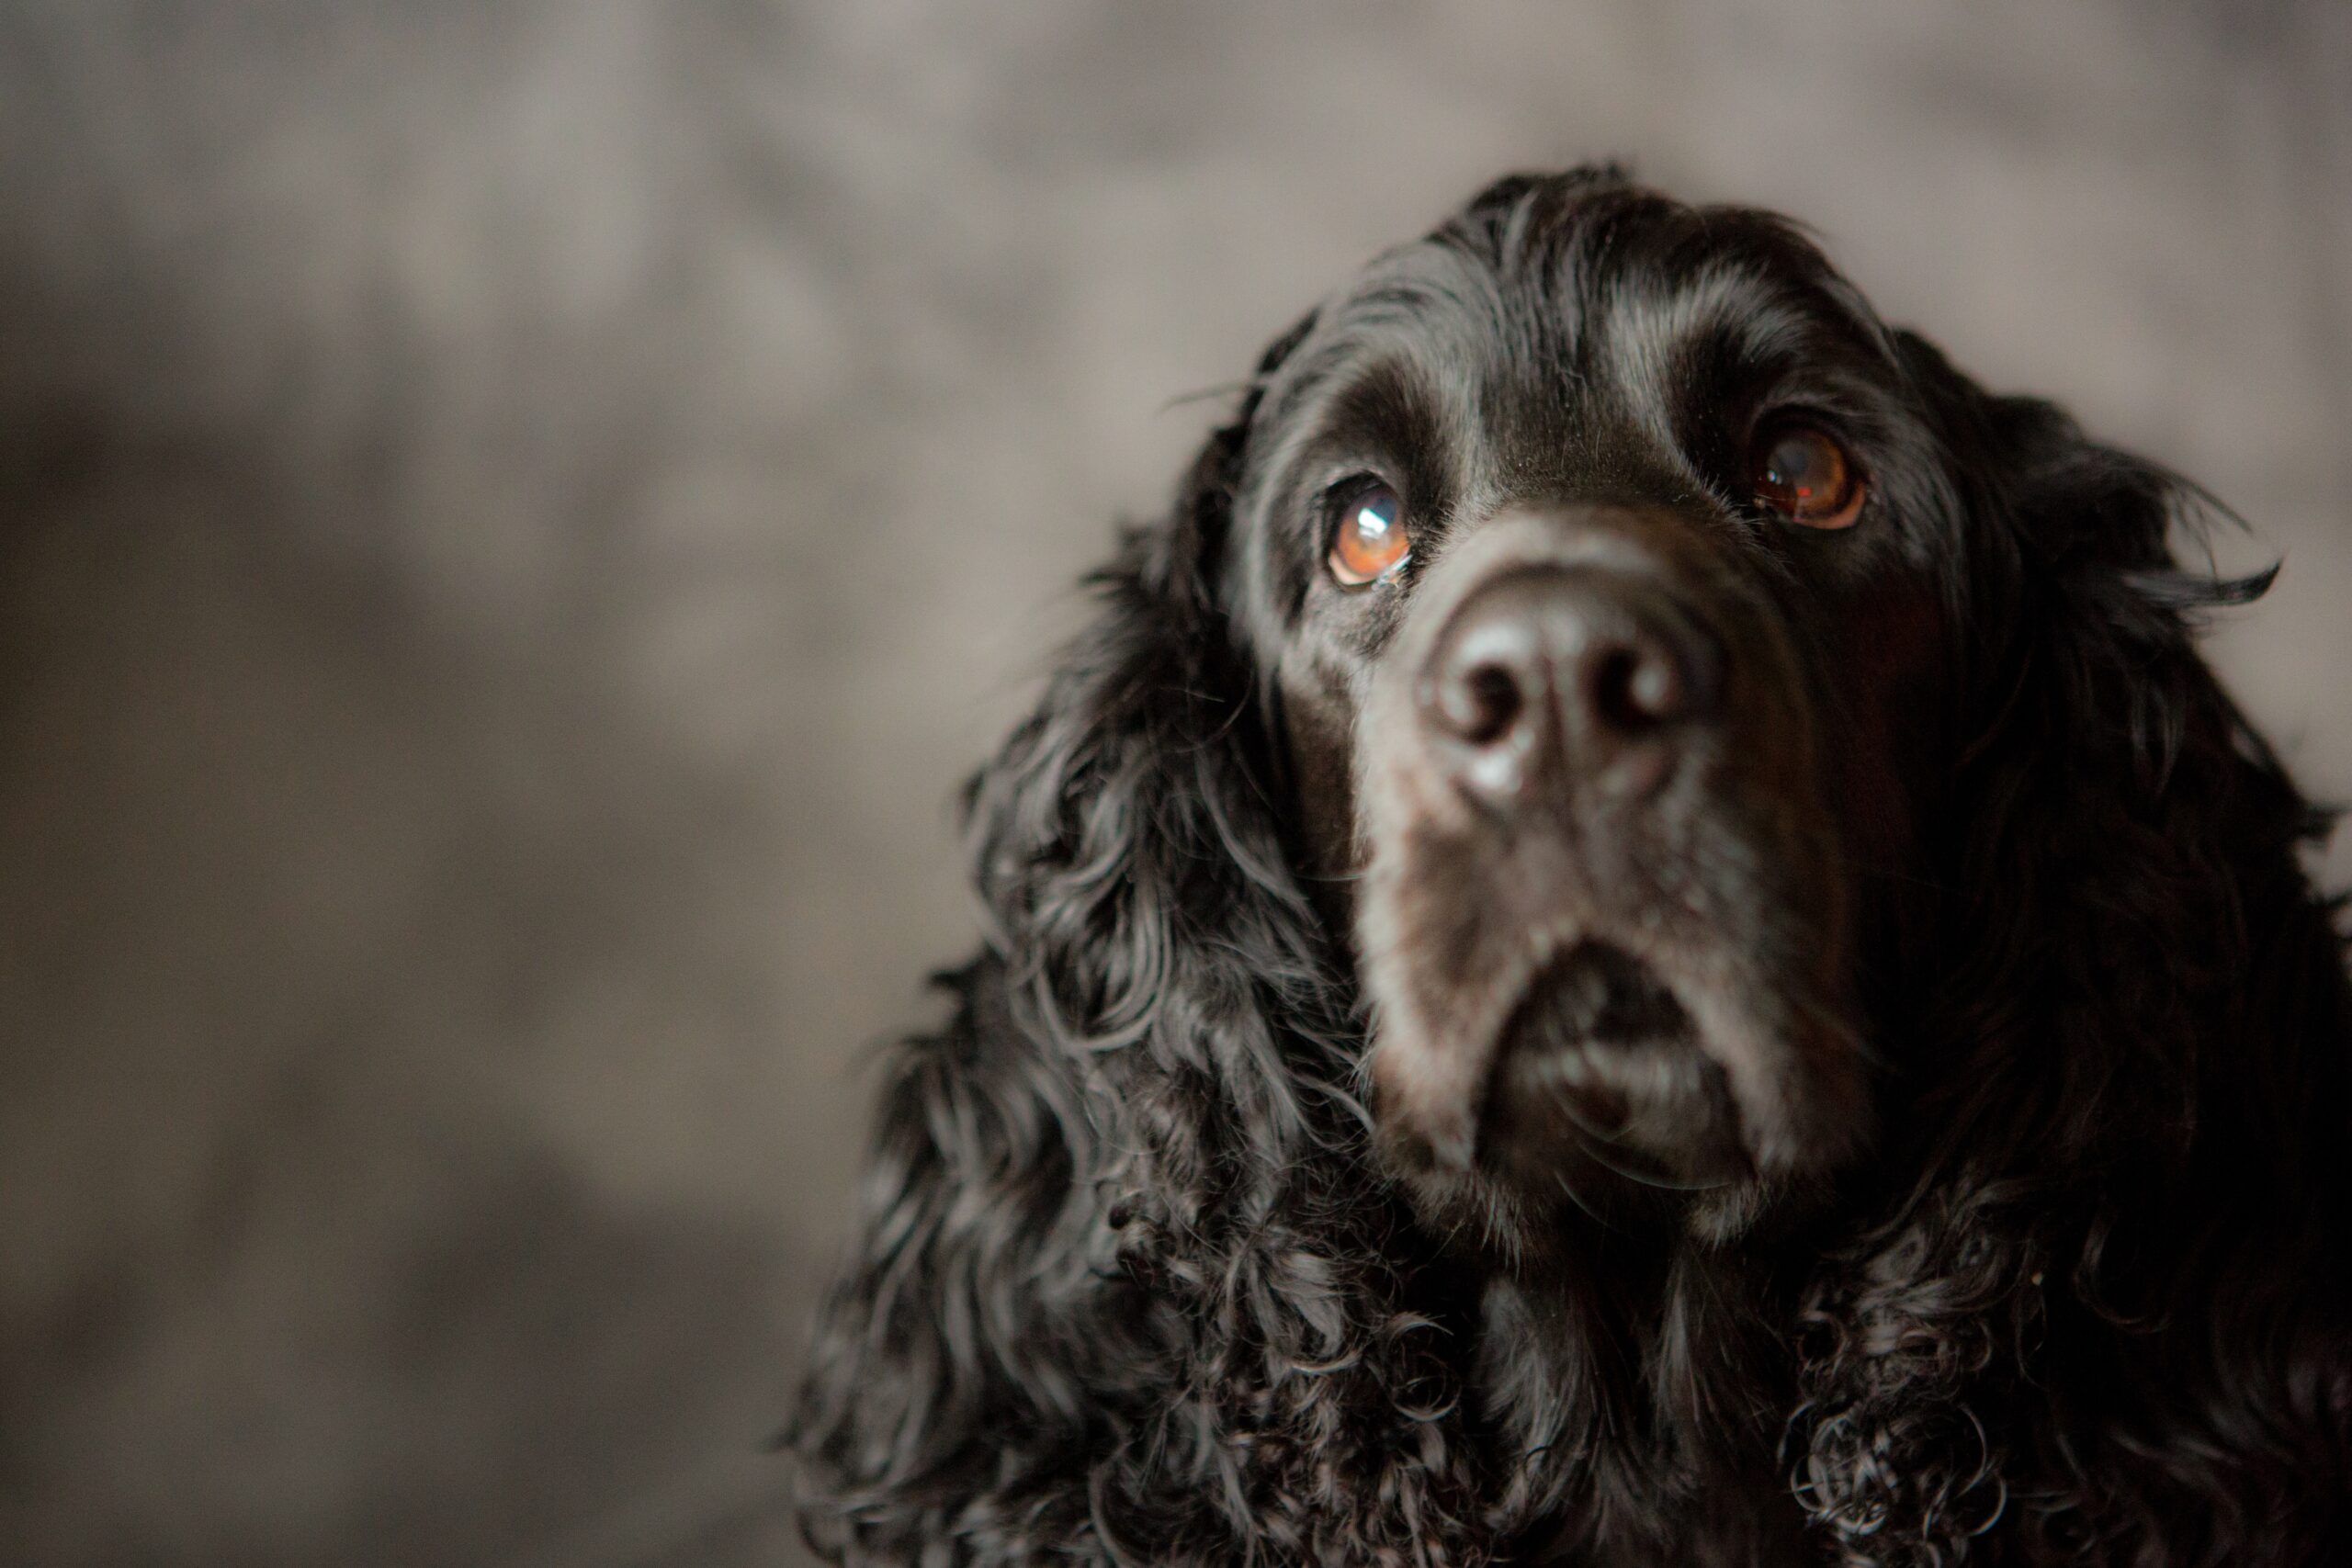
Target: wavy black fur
pixel 1130 1285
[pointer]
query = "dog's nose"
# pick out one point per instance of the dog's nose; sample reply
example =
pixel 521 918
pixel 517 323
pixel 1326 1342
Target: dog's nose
pixel 1552 677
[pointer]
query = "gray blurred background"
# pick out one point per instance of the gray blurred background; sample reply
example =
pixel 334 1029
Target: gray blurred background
pixel 514 518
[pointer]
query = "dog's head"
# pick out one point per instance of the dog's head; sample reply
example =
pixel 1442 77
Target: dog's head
pixel 1608 563
pixel 1769 791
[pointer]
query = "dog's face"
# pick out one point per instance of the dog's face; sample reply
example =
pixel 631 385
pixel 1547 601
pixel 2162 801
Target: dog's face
pixel 1603 556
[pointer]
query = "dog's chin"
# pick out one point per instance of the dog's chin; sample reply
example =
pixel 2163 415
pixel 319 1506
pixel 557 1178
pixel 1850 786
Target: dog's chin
pixel 1599 1059
pixel 1602 1100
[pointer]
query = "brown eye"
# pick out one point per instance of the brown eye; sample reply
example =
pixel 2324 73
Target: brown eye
pixel 1370 540
pixel 1804 474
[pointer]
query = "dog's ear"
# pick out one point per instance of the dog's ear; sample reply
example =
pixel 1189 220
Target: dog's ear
pixel 2075 600
pixel 1119 1289
pixel 1149 753
pixel 2130 969
pixel 2100 779
pixel 2116 610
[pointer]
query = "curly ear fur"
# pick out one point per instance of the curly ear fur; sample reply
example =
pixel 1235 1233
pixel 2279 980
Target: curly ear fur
pixel 2126 1086
pixel 1126 1289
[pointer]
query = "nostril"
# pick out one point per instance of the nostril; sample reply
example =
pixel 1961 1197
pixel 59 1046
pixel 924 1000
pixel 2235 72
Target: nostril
pixel 1635 689
pixel 1484 703
pixel 1477 706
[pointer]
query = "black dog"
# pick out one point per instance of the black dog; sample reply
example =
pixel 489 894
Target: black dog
pixel 1636 937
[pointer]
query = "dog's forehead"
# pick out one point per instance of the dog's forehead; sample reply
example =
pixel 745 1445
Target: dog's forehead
pixel 1574 345
pixel 1525 326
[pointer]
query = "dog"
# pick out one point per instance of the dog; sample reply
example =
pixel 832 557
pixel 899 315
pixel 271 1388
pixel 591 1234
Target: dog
pixel 1635 937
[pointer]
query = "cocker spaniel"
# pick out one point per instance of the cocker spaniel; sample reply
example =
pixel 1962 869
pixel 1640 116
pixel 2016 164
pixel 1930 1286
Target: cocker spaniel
pixel 1637 937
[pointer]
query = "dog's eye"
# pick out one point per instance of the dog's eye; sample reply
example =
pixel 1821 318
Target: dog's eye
pixel 1370 540
pixel 1804 473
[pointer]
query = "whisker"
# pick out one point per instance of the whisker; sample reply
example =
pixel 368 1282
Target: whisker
pixel 1577 1198
pixel 1203 394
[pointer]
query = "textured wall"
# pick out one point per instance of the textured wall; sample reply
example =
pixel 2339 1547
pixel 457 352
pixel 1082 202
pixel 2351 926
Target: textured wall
pixel 514 516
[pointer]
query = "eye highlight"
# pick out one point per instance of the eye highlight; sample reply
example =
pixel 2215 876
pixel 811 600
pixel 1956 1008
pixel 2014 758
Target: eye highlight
pixel 1369 539
pixel 1806 475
